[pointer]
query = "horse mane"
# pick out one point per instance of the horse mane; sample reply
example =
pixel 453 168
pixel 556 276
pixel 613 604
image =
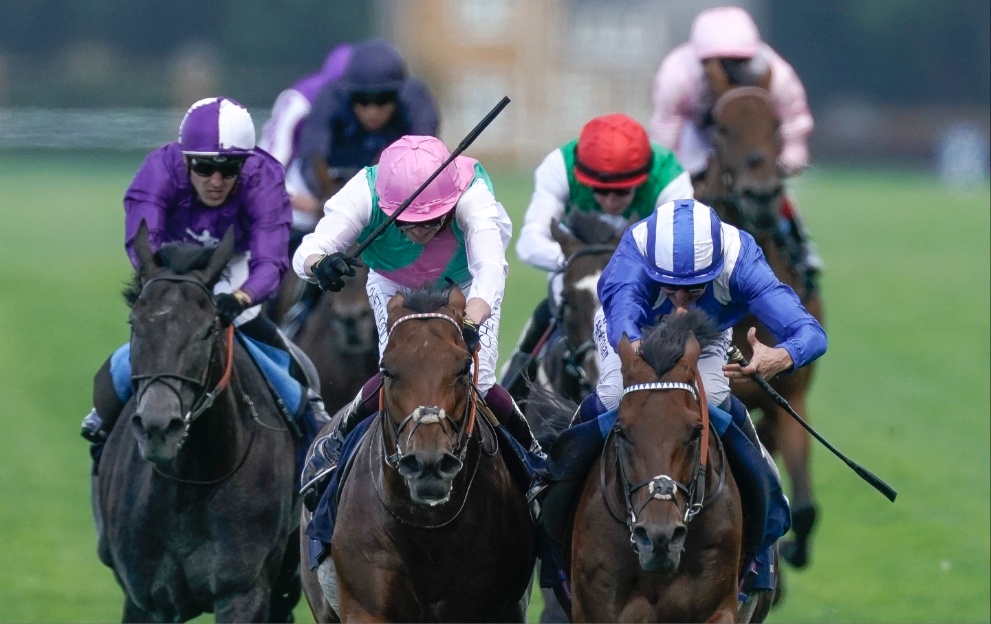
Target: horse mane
pixel 590 228
pixel 664 343
pixel 181 258
pixel 427 299
pixel 548 413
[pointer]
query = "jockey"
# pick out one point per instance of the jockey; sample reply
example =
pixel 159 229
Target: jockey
pixel 191 191
pixel 725 42
pixel 454 230
pixel 612 168
pixel 683 257
pixel 281 134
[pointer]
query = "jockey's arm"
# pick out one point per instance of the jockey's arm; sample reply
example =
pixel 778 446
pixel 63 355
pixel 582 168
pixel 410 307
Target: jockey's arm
pixel 270 214
pixel 147 199
pixel 624 292
pixel 535 245
pixel 487 230
pixel 796 119
pixel 315 141
pixel 346 214
pixel 670 92
pixel 289 111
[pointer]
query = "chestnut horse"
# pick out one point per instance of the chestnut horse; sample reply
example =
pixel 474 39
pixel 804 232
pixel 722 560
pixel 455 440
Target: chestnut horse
pixel 196 483
pixel 658 527
pixel 745 186
pixel 430 525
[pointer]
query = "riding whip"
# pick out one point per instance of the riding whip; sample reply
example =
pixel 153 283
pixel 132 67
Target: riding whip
pixel 736 356
pixel 468 140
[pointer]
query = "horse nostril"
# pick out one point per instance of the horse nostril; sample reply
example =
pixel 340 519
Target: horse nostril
pixel 678 538
pixel 138 426
pixel 641 540
pixel 409 467
pixel 449 466
pixel 755 159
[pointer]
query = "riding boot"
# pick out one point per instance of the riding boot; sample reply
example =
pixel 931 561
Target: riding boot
pixel 508 413
pixel 100 421
pixel 522 365
pixel 326 452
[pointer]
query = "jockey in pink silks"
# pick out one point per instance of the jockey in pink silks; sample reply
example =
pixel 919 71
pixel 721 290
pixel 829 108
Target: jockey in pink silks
pixel 453 232
pixel 683 103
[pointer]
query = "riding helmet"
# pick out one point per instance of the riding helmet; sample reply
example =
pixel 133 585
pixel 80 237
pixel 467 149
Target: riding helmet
pixel 217 126
pixel 613 152
pixel 682 243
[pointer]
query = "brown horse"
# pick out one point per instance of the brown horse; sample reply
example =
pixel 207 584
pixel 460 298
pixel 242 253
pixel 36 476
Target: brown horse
pixel 744 185
pixel 430 526
pixel 197 493
pixel 658 528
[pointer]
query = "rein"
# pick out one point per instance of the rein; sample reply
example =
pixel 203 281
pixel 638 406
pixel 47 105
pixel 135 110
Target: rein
pixel 663 487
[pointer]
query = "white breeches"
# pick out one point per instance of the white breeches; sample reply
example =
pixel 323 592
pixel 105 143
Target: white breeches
pixel 380 290
pixel 610 388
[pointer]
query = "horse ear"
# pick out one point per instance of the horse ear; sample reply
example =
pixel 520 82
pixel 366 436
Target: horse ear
pixel 395 307
pixel 568 242
pixel 716 76
pixel 456 300
pixel 693 351
pixel 219 259
pixel 147 263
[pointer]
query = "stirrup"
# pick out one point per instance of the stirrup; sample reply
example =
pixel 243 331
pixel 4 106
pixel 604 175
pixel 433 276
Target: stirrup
pixel 92 428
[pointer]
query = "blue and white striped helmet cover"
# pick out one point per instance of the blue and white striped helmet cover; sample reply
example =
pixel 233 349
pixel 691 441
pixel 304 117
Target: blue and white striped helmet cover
pixel 684 243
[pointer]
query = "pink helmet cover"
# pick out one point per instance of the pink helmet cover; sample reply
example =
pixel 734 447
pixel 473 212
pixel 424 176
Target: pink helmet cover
pixel 406 164
pixel 724 32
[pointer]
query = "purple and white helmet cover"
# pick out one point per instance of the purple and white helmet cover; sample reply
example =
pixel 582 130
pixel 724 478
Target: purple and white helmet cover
pixel 217 126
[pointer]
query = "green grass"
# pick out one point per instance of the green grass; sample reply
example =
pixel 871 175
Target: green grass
pixel 903 389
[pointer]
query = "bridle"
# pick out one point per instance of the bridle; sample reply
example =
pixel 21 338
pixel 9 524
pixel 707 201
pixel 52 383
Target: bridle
pixel 663 487
pixel 205 398
pixel 432 415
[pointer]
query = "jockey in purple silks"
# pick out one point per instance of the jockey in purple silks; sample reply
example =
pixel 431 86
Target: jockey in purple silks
pixel 281 134
pixel 191 191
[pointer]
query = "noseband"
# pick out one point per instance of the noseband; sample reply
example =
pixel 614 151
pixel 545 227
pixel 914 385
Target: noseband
pixel 431 414
pixel 206 398
pixel 662 487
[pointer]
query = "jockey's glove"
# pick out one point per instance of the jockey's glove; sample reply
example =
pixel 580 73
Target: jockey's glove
pixel 331 270
pixel 230 306
pixel 469 331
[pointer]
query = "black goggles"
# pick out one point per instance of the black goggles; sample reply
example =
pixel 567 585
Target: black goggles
pixel 377 98
pixel 206 167
pixel 692 289
pixel 432 224
pixel 621 192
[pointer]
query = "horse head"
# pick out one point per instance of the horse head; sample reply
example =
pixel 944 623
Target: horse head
pixel 660 436
pixel 177 350
pixel 428 391
pixel 587 244
pixel 744 171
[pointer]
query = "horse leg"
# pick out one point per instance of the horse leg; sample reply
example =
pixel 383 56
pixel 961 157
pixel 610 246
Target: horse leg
pixel 553 612
pixel 134 613
pixel 287 588
pixel 794 446
pixel 248 606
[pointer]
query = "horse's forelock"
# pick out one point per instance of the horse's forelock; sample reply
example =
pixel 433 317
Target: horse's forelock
pixel 589 228
pixel 180 258
pixel 664 344
pixel 424 300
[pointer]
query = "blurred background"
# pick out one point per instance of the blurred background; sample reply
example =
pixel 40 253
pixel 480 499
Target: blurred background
pixel 897 198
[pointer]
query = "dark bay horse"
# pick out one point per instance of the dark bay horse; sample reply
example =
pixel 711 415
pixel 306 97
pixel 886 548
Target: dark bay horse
pixel 658 528
pixel 197 494
pixel 430 526
pixel 745 186
pixel 338 334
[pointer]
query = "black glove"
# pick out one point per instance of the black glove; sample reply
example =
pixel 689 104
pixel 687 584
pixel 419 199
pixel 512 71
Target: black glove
pixel 229 307
pixel 331 270
pixel 469 331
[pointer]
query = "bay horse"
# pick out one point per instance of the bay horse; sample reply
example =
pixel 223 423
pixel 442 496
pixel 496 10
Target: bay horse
pixel 197 494
pixel 430 526
pixel 658 527
pixel 745 186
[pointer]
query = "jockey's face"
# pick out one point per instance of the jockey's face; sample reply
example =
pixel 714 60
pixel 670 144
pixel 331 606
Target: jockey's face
pixel 681 297
pixel 614 201
pixel 374 110
pixel 421 233
pixel 212 189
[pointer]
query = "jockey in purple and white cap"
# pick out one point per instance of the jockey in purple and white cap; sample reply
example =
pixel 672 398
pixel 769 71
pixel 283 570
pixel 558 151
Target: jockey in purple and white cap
pixel 192 191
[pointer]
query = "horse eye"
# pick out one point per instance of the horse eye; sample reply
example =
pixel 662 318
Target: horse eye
pixel 466 371
pixel 385 373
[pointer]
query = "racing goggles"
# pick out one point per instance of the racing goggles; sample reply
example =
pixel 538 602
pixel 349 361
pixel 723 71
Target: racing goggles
pixel 693 290
pixel 377 98
pixel 227 168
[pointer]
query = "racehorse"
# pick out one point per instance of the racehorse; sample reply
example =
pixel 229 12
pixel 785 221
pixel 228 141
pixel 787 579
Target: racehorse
pixel 430 526
pixel 568 366
pixel 197 495
pixel 338 334
pixel 658 527
pixel 745 186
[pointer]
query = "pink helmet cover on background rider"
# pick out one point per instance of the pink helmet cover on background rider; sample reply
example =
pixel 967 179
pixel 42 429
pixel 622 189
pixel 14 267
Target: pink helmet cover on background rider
pixel 406 164
pixel 724 32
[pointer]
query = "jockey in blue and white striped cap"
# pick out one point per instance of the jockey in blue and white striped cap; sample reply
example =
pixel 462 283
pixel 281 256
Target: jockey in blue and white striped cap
pixel 683 257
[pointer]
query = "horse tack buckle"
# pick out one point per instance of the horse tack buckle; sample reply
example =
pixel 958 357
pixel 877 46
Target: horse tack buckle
pixel 662 487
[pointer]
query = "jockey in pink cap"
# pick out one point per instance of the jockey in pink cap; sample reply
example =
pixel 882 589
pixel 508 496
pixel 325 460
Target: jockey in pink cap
pixel 683 101
pixel 454 231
